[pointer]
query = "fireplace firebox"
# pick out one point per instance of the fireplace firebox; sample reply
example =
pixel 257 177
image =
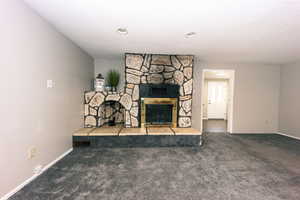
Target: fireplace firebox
pixel 159 104
pixel 159 113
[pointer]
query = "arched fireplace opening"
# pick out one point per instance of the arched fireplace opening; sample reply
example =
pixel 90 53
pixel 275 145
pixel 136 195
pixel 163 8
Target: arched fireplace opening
pixel 111 113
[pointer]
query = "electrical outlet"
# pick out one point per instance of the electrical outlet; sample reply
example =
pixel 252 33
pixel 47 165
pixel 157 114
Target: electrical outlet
pixel 38 169
pixel 32 152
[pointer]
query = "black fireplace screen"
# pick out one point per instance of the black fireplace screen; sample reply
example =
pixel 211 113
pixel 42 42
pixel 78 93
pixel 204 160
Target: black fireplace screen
pixel 159 113
pixel 159 104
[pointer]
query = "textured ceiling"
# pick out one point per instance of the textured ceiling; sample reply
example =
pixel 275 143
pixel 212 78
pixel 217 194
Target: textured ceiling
pixel 260 31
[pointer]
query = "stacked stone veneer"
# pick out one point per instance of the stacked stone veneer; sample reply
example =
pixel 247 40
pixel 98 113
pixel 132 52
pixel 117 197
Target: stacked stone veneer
pixel 146 68
pixel 100 107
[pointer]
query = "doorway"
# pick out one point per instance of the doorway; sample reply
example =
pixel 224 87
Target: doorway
pixel 217 100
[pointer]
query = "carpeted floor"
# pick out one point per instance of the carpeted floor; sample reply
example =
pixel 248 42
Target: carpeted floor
pixel 227 167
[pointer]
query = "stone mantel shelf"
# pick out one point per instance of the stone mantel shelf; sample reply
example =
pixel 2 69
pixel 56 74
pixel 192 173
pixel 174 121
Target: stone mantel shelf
pixel 105 92
pixel 114 95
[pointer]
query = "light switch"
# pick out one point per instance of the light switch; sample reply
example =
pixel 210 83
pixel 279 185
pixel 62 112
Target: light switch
pixel 49 83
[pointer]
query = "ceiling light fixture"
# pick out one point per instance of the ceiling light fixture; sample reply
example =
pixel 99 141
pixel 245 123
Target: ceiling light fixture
pixel 122 31
pixel 190 34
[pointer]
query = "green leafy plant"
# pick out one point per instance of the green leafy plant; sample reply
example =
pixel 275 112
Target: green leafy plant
pixel 113 78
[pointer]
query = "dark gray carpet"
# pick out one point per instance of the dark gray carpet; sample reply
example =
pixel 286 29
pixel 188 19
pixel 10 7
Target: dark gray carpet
pixel 227 167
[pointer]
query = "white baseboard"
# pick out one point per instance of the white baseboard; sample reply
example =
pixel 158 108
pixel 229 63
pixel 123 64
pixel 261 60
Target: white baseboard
pixel 215 131
pixel 253 132
pixel 57 159
pixel 287 135
pixel 19 187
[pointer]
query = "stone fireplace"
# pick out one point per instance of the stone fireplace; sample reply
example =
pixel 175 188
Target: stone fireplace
pixel 146 69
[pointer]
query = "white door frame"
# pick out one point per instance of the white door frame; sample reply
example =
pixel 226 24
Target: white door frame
pixel 231 99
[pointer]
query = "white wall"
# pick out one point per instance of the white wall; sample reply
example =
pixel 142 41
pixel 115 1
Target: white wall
pixel 289 100
pixel 103 65
pixel 256 96
pixel 31 52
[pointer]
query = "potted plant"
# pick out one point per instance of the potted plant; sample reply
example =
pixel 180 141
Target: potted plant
pixel 113 78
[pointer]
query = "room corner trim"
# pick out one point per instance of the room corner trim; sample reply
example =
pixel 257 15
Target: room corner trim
pixel 27 181
pixel 287 135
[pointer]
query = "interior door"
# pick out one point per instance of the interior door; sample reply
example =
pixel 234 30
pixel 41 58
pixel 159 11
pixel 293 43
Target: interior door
pixel 217 99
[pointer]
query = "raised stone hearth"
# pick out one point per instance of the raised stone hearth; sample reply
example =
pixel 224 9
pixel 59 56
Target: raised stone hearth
pixel 137 137
pixel 146 68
